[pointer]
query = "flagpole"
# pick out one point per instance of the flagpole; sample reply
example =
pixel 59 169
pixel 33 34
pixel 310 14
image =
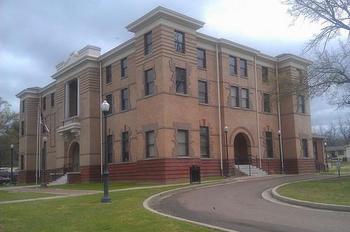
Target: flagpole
pixel 37 146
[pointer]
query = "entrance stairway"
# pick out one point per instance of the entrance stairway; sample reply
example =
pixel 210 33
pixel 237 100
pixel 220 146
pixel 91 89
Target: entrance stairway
pixel 61 180
pixel 250 170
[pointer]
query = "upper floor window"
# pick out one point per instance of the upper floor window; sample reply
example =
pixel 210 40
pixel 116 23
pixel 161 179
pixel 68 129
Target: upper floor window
pixel 150 144
pixel 233 65
pixel 269 144
pixel 182 142
pixel 123 67
pixel 204 141
pixel 124 99
pixel 243 67
pixel 301 104
pixel 72 98
pixel 265 73
pixel 203 92
pixel 181 83
pixel 305 147
pixel 22 128
pixel 23 106
pixel 110 148
pixel 148 43
pixel 44 103
pixel 52 99
pixel 125 146
pixel 108 74
pixel 179 41
pixel 109 99
pixel 201 58
pixel 149 82
pixel 245 98
pixel 267 103
pixel 300 76
pixel 234 95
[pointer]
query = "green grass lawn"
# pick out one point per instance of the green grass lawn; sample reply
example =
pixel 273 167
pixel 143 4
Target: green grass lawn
pixel 86 213
pixel 10 196
pixel 332 191
pixel 344 169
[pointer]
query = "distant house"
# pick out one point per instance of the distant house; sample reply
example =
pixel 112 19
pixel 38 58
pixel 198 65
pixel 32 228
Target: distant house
pixel 339 152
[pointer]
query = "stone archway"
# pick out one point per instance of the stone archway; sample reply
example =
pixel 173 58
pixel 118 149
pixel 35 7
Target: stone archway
pixel 74 159
pixel 242 149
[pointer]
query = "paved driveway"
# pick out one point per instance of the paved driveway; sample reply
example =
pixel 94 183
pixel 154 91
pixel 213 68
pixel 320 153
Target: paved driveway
pixel 239 206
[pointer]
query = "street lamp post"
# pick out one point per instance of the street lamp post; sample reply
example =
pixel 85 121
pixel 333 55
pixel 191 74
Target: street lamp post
pixel 43 164
pixel 227 161
pixel 11 163
pixel 105 199
pixel 325 149
pixel 280 150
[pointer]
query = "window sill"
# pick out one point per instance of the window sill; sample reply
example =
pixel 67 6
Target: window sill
pixel 109 83
pixel 203 104
pixel 123 111
pixel 243 77
pixel 124 77
pixel 182 94
pixel 202 68
pixel 206 158
pixel 148 96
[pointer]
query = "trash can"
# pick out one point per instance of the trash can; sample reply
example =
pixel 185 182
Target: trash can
pixel 195 174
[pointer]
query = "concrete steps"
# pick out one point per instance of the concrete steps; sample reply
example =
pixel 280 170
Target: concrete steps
pixel 250 170
pixel 61 180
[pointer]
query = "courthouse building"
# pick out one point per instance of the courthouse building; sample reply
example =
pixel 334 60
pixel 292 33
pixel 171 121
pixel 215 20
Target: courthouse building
pixel 176 96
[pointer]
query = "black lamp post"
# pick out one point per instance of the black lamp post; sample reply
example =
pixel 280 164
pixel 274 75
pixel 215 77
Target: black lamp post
pixel 227 161
pixel 105 199
pixel 325 149
pixel 281 153
pixel 43 165
pixel 12 164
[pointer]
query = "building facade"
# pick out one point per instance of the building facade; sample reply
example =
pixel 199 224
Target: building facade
pixel 178 98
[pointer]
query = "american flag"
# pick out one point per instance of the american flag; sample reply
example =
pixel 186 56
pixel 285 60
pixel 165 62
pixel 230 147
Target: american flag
pixel 43 124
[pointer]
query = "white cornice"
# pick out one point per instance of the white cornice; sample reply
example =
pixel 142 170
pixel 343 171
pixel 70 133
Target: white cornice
pixel 119 49
pixel 33 92
pixel 293 58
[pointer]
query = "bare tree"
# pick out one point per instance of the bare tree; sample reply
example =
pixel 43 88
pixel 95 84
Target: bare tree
pixel 333 15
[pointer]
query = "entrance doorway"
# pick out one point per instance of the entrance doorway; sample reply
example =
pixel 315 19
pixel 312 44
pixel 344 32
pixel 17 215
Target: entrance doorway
pixel 74 164
pixel 242 149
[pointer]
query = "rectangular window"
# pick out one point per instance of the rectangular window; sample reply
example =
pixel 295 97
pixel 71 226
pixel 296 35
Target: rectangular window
pixel 245 98
pixel 305 148
pixel 52 99
pixel 149 82
pixel 233 65
pixel 123 67
pixel 267 103
pixel 269 144
pixel 234 96
pixel 71 98
pixel 243 67
pixel 148 43
pixel 301 104
pixel 23 106
pixel 109 99
pixel 22 162
pixel 179 41
pixel 203 92
pixel 108 74
pixel 150 144
pixel 315 150
pixel 265 73
pixel 204 141
pixel 201 58
pixel 22 128
pixel 182 142
pixel 124 99
pixel 181 85
pixel 125 146
pixel 110 148
pixel 44 103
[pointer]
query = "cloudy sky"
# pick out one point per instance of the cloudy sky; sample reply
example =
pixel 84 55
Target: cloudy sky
pixel 37 35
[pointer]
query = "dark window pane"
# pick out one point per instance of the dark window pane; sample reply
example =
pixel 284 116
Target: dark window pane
pixel 110 148
pixel 243 67
pixel 234 96
pixel 148 43
pixel 73 98
pixel 44 103
pixel 233 65
pixel 125 146
pixel 123 67
pixel 52 99
pixel 305 148
pixel 245 98
pixel 109 99
pixel 179 41
pixel 301 104
pixel 181 84
pixel 267 103
pixel 150 144
pixel 23 106
pixel 201 58
pixel 22 162
pixel 124 99
pixel 108 74
pixel 204 141
pixel 265 73
pixel 182 142
pixel 269 144
pixel 202 92
pixel 149 82
pixel 22 128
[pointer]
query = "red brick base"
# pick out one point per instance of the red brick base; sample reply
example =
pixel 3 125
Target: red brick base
pixel 24 176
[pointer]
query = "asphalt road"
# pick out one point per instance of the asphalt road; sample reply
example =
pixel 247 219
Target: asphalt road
pixel 240 206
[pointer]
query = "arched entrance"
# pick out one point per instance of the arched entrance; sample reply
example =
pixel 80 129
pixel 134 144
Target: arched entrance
pixel 74 164
pixel 242 149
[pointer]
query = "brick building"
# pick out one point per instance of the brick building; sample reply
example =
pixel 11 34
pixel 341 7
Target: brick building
pixel 172 91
